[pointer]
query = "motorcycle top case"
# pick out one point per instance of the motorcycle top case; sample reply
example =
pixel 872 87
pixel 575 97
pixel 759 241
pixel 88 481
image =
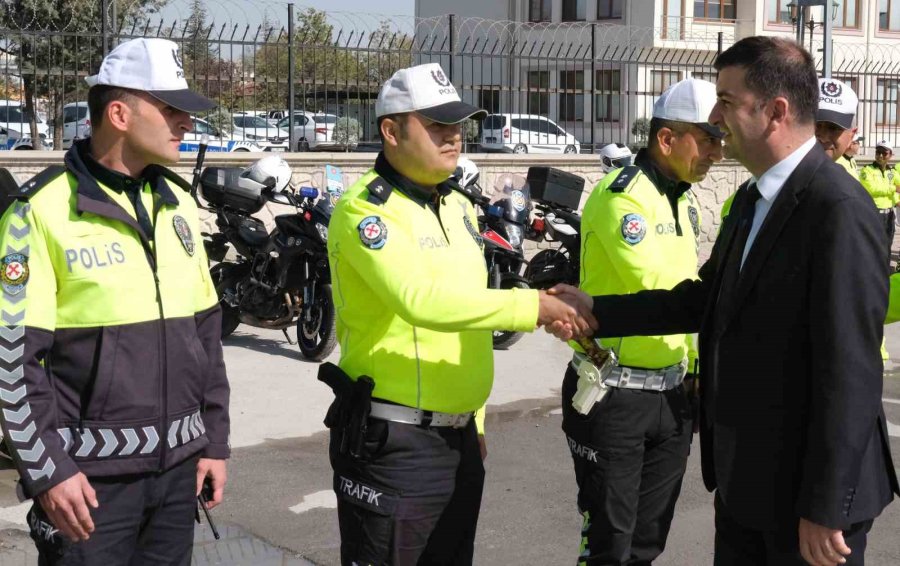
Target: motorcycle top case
pixel 224 187
pixel 554 186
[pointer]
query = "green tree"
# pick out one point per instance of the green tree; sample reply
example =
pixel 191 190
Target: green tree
pixel 640 129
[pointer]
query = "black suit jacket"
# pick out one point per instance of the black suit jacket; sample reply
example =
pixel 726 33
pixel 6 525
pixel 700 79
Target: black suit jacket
pixel 791 376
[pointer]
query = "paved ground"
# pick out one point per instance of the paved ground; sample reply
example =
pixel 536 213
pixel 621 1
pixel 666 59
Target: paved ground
pixel 279 508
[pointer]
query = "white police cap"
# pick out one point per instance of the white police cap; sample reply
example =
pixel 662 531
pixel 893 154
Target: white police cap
pixel 154 66
pixel 690 101
pixel 837 103
pixel 427 90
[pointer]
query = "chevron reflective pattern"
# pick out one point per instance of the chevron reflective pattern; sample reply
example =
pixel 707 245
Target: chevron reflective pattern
pixel 109 442
pixel 24 441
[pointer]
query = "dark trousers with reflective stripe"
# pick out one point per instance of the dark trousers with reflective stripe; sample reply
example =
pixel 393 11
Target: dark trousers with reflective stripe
pixel 142 520
pixel 414 498
pixel 630 453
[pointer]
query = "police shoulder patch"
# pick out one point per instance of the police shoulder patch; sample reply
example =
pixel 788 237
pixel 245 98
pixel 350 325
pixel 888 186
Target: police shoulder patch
pixel 183 231
pixel 372 232
pixel 634 228
pixel 624 178
pixel 14 273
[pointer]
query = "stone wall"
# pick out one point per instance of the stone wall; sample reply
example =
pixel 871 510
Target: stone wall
pixel 308 168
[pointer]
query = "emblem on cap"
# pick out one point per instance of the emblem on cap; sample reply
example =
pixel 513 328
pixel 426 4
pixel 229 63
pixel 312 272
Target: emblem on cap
pixel 440 78
pixel 14 273
pixel 184 234
pixel 634 228
pixel 831 89
pixel 373 232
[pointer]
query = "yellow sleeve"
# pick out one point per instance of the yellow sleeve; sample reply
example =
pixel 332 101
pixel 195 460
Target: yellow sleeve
pixel 479 419
pixel 414 293
pixel 893 311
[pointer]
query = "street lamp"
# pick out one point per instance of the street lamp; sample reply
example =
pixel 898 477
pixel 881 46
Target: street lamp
pixel 798 10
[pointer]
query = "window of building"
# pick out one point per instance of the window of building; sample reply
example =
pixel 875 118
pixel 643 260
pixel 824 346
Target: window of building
pixel 661 80
pixel 489 99
pixel 609 9
pixel 778 12
pixel 571 104
pixel 709 76
pixel 673 15
pixel 539 92
pixel 608 95
pixel 886 102
pixel 847 15
pixel 539 10
pixel 889 15
pixel 714 9
pixel 574 10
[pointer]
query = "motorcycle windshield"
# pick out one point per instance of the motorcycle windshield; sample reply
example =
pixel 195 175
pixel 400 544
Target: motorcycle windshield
pixel 512 194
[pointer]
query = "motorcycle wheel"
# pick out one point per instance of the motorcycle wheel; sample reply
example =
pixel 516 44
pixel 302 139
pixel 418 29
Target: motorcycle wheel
pixel 231 316
pixel 504 339
pixel 316 338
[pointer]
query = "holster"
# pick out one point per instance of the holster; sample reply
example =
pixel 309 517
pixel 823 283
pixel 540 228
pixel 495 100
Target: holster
pixel 349 413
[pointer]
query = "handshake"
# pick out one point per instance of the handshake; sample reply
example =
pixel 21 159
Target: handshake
pixel 565 312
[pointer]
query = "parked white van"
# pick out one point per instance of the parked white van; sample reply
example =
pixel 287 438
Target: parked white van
pixel 526 133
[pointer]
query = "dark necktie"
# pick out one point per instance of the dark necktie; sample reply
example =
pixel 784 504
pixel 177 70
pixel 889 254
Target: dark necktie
pixel 133 191
pixel 731 275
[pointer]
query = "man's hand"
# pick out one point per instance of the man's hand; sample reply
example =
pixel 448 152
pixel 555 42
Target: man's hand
pixel 215 471
pixel 821 546
pixel 66 505
pixel 582 303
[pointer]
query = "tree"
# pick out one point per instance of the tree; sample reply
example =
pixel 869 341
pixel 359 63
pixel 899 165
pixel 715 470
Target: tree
pixel 53 66
pixel 640 129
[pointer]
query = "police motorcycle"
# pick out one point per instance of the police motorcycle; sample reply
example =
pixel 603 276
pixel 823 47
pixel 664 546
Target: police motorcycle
pixel 278 279
pixel 502 226
pixel 557 221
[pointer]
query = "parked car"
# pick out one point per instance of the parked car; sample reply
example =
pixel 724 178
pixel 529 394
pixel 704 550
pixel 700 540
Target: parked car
pixel 76 123
pixel 526 133
pixel 18 126
pixel 217 140
pixel 314 132
pixel 258 129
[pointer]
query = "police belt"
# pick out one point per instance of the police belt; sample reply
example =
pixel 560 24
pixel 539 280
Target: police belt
pixel 418 417
pixel 626 377
pixel 886 210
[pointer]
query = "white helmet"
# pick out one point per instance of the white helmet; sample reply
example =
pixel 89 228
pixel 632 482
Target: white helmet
pixel 270 167
pixel 466 173
pixel 614 156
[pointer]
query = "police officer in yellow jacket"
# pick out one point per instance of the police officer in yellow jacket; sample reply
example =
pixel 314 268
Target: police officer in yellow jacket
pixel 113 386
pixel 640 230
pixel 414 315
pixel 882 182
pixel 848 160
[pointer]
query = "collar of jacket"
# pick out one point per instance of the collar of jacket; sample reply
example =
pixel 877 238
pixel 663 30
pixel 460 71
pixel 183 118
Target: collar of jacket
pixel 418 193
pixel 666 186
pixel 89 172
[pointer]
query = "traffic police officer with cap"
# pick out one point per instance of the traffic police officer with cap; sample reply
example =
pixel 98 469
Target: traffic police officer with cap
pixel 114 397
pixel 848 160
pixel 882 182
pixel 640 231
pixel 415 316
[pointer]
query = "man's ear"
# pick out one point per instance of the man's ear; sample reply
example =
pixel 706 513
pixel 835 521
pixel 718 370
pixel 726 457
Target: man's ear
pixel 390 131
pixel 779 108
pixel 665 137
pixel 118 115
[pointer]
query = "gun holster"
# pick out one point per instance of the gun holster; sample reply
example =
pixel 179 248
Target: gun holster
pixel 349 413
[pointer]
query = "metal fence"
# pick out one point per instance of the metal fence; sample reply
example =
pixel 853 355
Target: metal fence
pixel 554 87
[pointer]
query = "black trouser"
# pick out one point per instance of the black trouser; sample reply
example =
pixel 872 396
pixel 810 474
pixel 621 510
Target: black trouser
pixel 737 545
pixel 630 454
pixel 143 519
pixel 414 498
pixel 888 217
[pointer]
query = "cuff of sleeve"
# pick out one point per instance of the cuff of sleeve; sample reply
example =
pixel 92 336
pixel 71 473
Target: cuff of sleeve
pixel 217 451
pixel 526 304
pixel 65 468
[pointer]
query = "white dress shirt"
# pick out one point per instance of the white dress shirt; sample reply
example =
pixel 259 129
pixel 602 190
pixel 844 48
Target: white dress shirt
pixel 769 185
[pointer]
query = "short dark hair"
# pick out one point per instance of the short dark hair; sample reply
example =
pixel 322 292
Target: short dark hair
pixel 657 124
pixel 775 67
pixel 399 118
pixel 99 97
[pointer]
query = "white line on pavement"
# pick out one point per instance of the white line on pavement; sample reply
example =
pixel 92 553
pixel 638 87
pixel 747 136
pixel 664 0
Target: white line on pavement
pixel 320 499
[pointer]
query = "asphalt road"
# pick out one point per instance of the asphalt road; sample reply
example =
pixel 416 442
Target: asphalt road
pixel 280 509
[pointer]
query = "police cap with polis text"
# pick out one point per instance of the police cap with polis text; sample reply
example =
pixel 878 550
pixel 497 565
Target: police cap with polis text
pixel 424 89
pixel 690 101
pixel 837 103
pixel 154 66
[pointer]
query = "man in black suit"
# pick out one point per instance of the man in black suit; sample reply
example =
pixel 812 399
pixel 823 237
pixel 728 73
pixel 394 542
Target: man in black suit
pixel 789 310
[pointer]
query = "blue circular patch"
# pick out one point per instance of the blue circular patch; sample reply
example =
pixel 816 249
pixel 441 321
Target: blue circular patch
pixel 373 232
pixel 634 228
